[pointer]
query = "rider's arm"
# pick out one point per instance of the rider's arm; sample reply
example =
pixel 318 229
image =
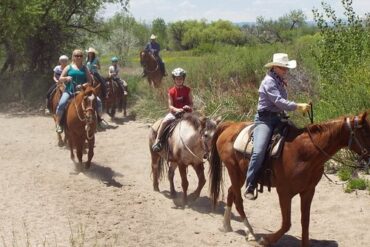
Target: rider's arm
pixel 63 77
pixel 171 107
pixel 55 78
pixel 88 76
pixel 97 63
pixel 190 100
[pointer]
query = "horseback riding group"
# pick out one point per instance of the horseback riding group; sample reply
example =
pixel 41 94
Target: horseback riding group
pixel 271 151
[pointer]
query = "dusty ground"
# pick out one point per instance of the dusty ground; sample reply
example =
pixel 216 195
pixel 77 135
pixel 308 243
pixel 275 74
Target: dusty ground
pixel 44 202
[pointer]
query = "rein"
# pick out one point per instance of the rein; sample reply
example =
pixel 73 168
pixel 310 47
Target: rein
pixel 88 121
pixel 156 68
pixel 186 146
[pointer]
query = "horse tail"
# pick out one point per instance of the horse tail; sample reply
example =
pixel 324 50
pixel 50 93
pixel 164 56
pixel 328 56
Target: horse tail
pixel 161 169
pixel 215 172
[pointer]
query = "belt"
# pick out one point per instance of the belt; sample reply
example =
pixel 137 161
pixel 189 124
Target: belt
pixel 268 113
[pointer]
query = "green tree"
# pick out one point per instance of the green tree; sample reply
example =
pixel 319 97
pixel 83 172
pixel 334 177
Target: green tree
pixel 159 28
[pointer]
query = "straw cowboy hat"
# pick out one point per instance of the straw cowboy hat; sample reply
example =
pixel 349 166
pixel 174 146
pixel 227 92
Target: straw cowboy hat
pixel 153 36
pixel 92 50
pixel 281 60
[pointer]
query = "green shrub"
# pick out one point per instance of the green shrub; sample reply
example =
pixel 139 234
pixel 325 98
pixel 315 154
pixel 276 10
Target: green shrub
pixel 356 184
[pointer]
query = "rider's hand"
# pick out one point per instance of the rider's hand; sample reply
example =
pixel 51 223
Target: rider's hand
pixel 303 107
pixel 69 78
pixel 186 108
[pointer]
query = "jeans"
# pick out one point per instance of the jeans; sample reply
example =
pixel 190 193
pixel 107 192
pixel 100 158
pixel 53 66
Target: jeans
pixel 64 100
pixel 265 125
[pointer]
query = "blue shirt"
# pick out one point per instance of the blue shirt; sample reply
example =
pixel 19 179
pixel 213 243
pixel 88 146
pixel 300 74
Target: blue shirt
pixel 153 47
pixel 92 65
pixel 273 95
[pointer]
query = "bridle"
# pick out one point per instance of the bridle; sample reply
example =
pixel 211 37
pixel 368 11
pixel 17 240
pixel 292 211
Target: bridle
pixel 145 64
pixel 352 138
pixel 87 118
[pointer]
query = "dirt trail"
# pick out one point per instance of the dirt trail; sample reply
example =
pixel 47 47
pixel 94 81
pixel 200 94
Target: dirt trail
pixel 44 202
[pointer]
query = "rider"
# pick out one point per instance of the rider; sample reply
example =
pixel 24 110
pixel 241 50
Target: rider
pixel 114 74
pixel 73 75
pixel 180 100
pixel 272 102
pixel 154 48
pixel 63 60
pixel 93 65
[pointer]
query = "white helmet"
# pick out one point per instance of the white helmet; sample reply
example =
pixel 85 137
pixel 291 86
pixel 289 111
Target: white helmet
pixel 63 57
pixel 178 72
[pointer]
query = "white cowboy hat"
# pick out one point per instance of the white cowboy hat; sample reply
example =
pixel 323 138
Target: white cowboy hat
pixel 153 36
pixel 281 60
pixel 92 50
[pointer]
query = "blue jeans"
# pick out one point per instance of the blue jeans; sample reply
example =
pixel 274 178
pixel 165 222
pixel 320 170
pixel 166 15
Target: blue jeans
pixel 265 126
pixel 64 100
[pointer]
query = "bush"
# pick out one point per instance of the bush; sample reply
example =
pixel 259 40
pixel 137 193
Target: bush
pixel 356 184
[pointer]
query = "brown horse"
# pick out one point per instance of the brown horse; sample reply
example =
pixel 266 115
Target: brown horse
pixel 187 145
pixel 151 68
pixel 81 123
pixel 115 97
pixel 53 107
pixel 296 171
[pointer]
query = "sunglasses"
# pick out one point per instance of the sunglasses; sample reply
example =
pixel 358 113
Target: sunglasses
pixel 78 55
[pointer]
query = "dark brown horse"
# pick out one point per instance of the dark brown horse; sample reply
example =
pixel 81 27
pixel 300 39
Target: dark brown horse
pixel 152 68
pixel 81 123
pixel 53 107
pixel 187 145
pixel 115 98
pixel 296 171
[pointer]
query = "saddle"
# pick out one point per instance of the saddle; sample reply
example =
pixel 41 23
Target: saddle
pixel 244 144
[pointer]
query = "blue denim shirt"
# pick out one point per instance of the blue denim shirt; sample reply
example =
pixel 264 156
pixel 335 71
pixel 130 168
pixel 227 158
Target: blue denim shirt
pixel 153 47
pixel 273 95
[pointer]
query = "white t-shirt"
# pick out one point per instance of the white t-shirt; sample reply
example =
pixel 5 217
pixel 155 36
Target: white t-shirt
pixel 114 71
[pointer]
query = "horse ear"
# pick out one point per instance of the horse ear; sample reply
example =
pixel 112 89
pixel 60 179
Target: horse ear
pixel 218 120
pixel 97 89
pixel 363 117
pixel 203 121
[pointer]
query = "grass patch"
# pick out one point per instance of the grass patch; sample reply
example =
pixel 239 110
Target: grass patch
pixel 356 184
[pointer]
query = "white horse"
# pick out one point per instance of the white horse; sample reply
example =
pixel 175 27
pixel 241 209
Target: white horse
pixel 187 145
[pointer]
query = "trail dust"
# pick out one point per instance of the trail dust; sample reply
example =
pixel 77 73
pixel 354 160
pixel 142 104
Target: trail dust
pixel 45 202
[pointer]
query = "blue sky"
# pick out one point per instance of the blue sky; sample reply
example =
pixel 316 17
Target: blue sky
pixel 233 10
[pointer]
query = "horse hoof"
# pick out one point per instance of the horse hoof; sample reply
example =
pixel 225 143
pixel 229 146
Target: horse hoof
pixel 262 241
pixel 87 166
pixel 225 229
pixel 156 189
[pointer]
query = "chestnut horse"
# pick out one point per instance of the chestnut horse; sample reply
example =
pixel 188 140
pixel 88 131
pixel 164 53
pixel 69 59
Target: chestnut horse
pixel 187 145
pixel 53 107
pixel 115 98
pixel 296 171
pixel 152 68
pixel 81 123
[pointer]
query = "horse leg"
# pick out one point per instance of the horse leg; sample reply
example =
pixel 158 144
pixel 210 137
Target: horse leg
pixel 90 154
pixel 171 174
pixel 71 147
pixel 306 199
pixel 184 183
pixel 199 169
pixel 285 201
pixel 155 169
pixel 79 149
pixel 60 140
pixel 227 215
pixel 124 105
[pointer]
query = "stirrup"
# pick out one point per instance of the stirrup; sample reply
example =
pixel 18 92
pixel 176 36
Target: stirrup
pixel 249 193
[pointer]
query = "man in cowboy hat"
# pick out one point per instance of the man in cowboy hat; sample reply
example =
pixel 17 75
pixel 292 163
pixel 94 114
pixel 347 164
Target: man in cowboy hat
pixel 272 103
pixel 154 48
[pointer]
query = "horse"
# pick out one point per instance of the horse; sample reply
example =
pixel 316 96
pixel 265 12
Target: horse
pixel 115 97
pixel 188 145
pixel 297 171
pixel 151 68
pixel 81 122
pixel 54 101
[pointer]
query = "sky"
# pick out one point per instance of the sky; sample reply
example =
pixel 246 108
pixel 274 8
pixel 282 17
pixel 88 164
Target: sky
pixel 232 10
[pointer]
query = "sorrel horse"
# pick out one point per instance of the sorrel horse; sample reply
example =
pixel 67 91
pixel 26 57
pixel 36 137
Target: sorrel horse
pixel 151 67
pixel 115 98
pixel 296 171
pixel 187 145
pixel 81 123
pixel 53 107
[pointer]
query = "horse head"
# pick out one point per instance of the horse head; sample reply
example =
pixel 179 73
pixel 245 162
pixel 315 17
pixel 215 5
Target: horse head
pixel 89 102
pixel 208 129
pixel 359 141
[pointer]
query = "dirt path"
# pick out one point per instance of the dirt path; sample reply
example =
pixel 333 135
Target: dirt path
pixel 44 202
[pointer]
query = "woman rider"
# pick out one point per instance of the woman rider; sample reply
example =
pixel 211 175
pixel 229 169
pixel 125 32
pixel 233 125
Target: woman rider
pixel 272 102
pixel 74 74
pixel 93 65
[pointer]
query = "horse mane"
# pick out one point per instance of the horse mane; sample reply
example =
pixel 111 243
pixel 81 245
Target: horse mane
pixel 193 119
pixel 325 127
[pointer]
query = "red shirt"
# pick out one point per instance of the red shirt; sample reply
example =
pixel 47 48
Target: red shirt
pixel 180 96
